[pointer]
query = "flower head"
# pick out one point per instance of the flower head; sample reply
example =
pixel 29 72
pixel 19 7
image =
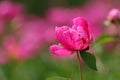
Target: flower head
pixel 72 39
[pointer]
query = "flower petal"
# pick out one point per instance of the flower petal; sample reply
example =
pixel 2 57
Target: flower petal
pixel 63 36
pixel 76 39
pixel 81 22
pixel 60 51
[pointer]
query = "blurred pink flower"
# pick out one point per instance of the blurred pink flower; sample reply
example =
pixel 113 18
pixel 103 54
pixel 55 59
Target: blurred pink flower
pixel 22 49
pixel 11 47
pixel 49 35
pixel 9 10
pixel 31 36
pixel 72 39
pixel 114 15
pixel 10 13
pixel 27 41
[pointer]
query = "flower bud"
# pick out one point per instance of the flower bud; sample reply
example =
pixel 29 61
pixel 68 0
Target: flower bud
pixel 114 15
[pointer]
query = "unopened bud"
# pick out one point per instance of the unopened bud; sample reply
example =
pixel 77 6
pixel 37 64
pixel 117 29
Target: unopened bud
pixel 114 15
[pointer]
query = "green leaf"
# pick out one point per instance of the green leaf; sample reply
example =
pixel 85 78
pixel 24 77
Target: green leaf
pixel 89 59
pixel 104 39
pixel 58 78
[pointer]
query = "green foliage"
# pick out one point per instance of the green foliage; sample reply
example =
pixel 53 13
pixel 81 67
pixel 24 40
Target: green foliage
pixel 44 66
pixel 104 39
pixel 89 59
pixel 58 78
pixel 74 3
pixel 37 7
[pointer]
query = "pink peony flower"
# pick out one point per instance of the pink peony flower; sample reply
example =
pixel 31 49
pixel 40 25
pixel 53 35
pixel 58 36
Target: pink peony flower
pixel 72 39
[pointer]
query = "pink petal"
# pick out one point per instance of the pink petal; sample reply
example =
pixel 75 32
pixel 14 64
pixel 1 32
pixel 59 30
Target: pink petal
pixel 76 39
pixel 63 36
pixel 114 14
pixel 81 22
pixel 60 51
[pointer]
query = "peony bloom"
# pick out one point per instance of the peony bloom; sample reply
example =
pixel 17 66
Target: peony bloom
pixel 72 39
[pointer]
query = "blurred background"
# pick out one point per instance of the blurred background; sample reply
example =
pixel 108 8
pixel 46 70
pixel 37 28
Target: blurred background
pixel 27 31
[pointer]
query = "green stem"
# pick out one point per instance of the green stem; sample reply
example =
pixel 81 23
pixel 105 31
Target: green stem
pixel 117 24
pixel 80 65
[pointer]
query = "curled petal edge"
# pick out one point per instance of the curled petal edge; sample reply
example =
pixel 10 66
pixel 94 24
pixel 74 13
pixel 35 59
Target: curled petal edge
pixel 60 51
